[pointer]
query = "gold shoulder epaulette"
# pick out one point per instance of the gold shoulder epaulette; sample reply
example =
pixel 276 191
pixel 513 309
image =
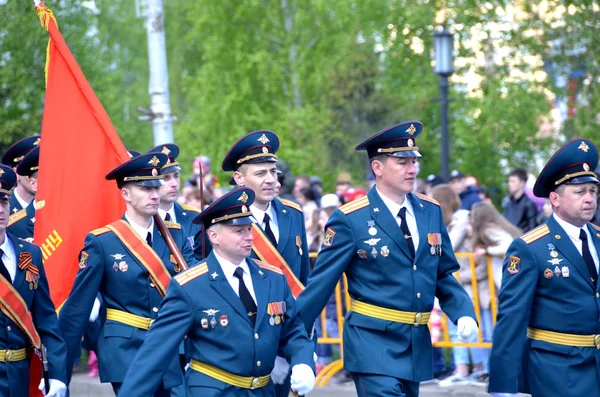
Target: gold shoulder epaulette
pixel 427 198
pixel 40 204
pixel 192 273
pixel 291 204
pixel 17 216
pixel 190 208
pixel 172 225
pixel 355 205
pixel 265 265
pixel 535 234
pixel 100 231
pixel 595 227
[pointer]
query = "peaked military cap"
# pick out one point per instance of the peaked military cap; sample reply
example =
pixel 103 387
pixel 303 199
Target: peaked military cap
pixel 8 179
pixel 172 151
pixel 30 163
pixel 255 147
pixel 15 153
pixel 397 141
pixel 133 153
pixel 572 164
pixel 232 208
pixel 143 170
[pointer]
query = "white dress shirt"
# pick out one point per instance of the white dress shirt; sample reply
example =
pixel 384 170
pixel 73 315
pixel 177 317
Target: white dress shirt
pixel 140 230
pixel 410 216
pixel 162 213
pixel 229 270
pixel 573 233
pixel 23 203
pixel 9 257
pixel 259 215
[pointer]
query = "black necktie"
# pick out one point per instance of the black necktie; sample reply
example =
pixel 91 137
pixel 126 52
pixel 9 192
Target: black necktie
pixel 168 217
pixel 268 230
pixel 149 239
pixel 245 296
pixel 587 256
pixel 406 232
pixel 3 270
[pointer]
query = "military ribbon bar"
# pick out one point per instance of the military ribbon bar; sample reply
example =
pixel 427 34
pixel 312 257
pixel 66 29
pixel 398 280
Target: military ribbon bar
pixel 144 253
pixel 265 251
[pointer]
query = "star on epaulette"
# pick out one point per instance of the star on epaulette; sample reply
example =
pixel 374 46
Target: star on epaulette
pixel 214 275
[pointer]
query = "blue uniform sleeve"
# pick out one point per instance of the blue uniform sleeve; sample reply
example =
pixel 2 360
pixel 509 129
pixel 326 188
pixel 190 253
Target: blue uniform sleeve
pixel 44 317
pixel 514 309
pixel 187 251
pixel 334 257
pixel 155 355
pixel 297 347
pixel 74 316
pixel 454 300
pixel 305 259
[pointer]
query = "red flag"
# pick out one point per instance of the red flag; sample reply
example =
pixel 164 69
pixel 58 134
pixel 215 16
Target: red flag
pixel 79 147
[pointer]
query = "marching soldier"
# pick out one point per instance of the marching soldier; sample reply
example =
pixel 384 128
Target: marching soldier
pixel 27 317
pixel 547 335
pixel 395 250
pixel 21 223
pixel 129 263
pixel 170 210
pixel 24 193
pixel 279 234
pixel 236 313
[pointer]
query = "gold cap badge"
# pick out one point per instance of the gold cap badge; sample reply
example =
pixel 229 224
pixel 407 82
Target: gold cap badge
pixel 411 130
pixel 154 161
pixel 263 139
pixel 243 198
pixel 583 146
pixel 166 150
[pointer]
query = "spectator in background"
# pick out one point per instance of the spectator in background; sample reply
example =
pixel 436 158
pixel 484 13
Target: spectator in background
pixel 316 184
pixel 352 194
pixel 546 212
pixel 469 194
pixel 285 178
pixel 519 209
pixel 491 234
pixel 343 183
pixel 432 181
pixel 202 163
pixel 300 182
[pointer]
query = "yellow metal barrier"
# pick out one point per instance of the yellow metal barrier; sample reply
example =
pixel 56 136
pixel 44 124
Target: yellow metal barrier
pixel 336 366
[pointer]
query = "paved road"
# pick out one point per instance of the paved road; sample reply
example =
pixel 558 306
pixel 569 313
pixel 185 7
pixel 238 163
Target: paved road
pixel 84 386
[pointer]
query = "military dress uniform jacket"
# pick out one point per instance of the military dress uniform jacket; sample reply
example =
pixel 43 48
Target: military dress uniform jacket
pixel 364 240
pixel 20 223
pixel 185 214
pixel 14 376
pixel 108 267
pixel 291 231
pixel 15 205
pixel 201 304
pixel 552 292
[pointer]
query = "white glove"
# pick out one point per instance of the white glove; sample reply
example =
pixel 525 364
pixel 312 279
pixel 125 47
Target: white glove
pixel 503 394
pixel 303 379
pixel 280 370
pixel 466 329
pixel 57 388
pixel 95 311
pixel 315 357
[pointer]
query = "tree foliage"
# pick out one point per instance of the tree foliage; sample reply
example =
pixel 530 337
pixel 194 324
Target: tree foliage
pixel 325 75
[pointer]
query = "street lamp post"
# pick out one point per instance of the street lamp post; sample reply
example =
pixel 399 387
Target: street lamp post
pixel 443 42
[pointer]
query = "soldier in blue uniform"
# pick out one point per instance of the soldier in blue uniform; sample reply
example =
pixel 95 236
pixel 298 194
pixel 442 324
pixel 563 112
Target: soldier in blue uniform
pixel 170 210
pixel 236 313
pixel 25 295
pixel 547 335
pixel 280 223
pixel 21 223
pixel 130 265
pixel 24 193
pixel 395 250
